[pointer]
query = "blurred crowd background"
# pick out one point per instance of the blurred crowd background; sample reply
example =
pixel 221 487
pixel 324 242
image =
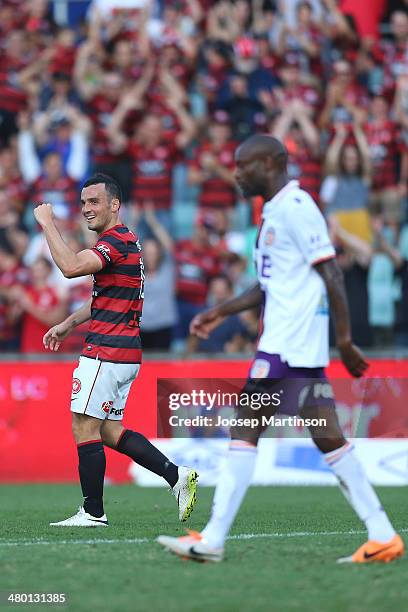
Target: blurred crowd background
pixel 158 94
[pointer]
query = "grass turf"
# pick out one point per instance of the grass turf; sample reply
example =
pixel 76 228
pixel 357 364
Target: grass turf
pixel 268 574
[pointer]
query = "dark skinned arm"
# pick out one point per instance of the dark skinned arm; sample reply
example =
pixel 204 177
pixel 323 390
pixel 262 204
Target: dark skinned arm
pixel 205 322
pixel 351 356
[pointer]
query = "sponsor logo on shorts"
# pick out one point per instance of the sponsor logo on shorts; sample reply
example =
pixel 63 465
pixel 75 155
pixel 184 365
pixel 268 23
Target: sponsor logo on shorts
pixel 260 368
pixel 117 411
pixel 76 386
pixel 320 391
pixel 109 409
pixel 106 406
pixel 324 390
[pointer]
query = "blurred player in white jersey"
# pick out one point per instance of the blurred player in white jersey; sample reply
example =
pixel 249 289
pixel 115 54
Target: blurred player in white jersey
pixel 298 278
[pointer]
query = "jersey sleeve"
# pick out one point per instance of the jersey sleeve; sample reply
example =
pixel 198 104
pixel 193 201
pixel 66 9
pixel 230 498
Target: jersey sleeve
pixel 110 250
pixel 309 230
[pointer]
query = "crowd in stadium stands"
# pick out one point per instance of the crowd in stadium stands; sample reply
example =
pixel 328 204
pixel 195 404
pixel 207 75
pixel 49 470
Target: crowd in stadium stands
pixel 159 94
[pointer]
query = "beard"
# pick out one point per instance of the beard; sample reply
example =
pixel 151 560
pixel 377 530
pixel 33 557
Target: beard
pixel 248 191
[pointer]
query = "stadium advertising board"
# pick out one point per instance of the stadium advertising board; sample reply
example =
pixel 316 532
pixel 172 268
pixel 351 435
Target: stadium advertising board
pixel 36 442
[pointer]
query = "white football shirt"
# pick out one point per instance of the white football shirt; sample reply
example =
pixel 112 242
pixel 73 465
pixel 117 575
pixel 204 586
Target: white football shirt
pixel 292 238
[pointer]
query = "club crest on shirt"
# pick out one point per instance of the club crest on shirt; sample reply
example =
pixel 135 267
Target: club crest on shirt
pixel 269 236
pixel 260 368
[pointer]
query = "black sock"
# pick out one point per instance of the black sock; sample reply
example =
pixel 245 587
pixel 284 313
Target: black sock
pixel 138 448
pixel 92 463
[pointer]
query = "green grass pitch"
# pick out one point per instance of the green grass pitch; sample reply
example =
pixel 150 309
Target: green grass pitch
pixel 290 566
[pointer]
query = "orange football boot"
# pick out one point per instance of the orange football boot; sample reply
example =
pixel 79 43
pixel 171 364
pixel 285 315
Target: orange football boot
pixel 371 551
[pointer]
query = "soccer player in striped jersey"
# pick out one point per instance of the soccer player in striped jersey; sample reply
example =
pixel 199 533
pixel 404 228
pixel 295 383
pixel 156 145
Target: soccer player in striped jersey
pixel 298 278
pixel 112 353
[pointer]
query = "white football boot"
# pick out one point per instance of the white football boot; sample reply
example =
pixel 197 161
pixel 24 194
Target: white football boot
pixel 185 491
pixel 83 519
pixel 192 546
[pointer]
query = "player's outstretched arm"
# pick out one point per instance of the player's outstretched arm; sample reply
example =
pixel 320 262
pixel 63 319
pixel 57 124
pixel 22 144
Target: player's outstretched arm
pixel 351 356
pixel 205 322
pixel 70 263
pixel 57 334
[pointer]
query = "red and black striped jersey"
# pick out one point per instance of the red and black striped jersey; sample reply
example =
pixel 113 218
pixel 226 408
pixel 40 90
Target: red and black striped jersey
pixel 305 167
pixel 99 110
pixel 196 265
pixel 382 139
pixel 215 191
pixel 63 190
pixel 153 172
pixel 117 299
pixel 13 98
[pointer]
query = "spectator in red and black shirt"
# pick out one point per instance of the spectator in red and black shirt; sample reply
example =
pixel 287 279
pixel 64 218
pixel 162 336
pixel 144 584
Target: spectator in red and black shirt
pixel 11 180
pixel 291 88
pixel 13 97
pixel 40 306
pixel 197 262
pixel 346 99
pixel 101 102
pixel 217 64
pixel 296 129
pixel 304 39
pixel 11 19
pixel 53 185
pixel 393 54
pixel 63 53
pixel 213 165
pixel 383 140
pixel 101 91
pixel 12 273
pixel 153 153
pixel 174 59
pixel 153 158
pixel 13 233
pixel 15 57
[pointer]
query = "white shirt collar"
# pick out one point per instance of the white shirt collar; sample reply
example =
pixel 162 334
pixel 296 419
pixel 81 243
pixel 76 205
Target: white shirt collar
pixel 278 196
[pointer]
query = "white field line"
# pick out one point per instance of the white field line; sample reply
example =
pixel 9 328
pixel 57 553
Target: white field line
pixel 240 536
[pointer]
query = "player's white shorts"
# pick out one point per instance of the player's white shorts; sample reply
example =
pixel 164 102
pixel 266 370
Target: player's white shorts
pixel 100 388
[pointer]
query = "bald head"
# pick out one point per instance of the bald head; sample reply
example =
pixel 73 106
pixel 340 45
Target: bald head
pixel 263 146
pixel 261 162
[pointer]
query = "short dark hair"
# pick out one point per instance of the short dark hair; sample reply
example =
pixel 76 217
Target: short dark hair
pixel 111 186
